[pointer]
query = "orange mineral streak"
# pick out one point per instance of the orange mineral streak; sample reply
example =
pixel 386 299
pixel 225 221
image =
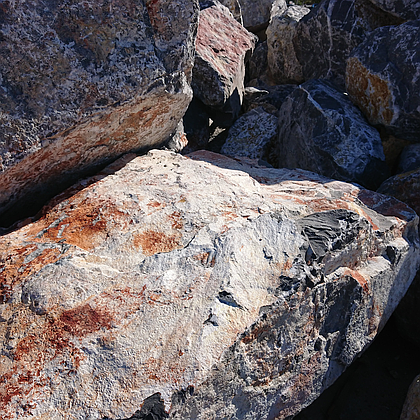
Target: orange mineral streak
pixel 359 278
pixel 153 242
pixel 369 92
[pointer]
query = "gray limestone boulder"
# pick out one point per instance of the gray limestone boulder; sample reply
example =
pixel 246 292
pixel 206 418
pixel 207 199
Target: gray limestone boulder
pixel 81 83
pixel 222 47
pixel 320 130
pixel 197 287
pixel 382 79
pixel 404 9
pixel 283 65
pixel 251 135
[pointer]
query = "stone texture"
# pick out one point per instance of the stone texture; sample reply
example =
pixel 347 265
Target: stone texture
pixel 205 287
pixel 235 8
pixel 322 131
pixel 382 79
pixel 271 98
pixel 409 159
pixel 404 187
pixel 411 409
pixel 82 83
pixel 257 65
pixel 283 65
pixel 256 13
pixel 404 9
pixel 222 47
pixel 251 135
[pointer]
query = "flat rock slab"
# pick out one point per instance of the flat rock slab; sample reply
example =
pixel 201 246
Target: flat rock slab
pixel 382 79
pixel 203 287
pixel 82 83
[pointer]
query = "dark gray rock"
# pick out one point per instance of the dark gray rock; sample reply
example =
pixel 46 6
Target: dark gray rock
pixel 322 131
pixel 382 79
pixel 257 65
pixel 251 135
pixel 404 9
pixel 409 159
pixel 222 48
pixel 81 83
pixel 256 13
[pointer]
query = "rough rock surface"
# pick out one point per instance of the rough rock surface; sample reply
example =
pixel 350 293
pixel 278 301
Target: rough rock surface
pixel 382 79
pixel 320 130
pixel 405 9
pixel 83 82
pixel 409 159
pixel 251 135
pixel 257 64
pixel 256 13
pixel 283 65
pixel 325 38
pixel 222 46
pixel 404 187
pixel 411 409
pixel 235 8
pixel 237 294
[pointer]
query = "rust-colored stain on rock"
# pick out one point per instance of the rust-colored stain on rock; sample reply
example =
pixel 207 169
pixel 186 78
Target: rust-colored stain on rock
pixel 152 242
pixel 369 92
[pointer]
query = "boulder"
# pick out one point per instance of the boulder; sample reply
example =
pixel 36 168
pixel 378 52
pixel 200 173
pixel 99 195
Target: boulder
pixel 235 8
pixel 222 47
pixel 324 40
pixel 81 83
pixel 271 98
pixel 256 13
pixel 409 159
pixel 320 130
pixel 257 65
pixel 382 79
pixel 283 65
pixel 195 287
pixel 404 9
pixel 411 409
pixel 251 135
pixel 404 187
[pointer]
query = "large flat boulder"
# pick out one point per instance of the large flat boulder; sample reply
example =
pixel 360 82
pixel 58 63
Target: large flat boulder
pixel 382 79
pixel 81 83
pixel 320 130
pixel 196 287
pixel 223 45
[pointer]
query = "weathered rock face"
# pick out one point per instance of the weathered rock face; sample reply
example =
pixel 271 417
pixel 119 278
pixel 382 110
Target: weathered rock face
pixel 325 38
pixel 405 9
pixel 283 66
pixel 235 8
pixel 251 135
pixel 404 187
pixel 229 290
pixel 82 83
pixel 219 71
pixel 322 131
pixel 256 13
pixel 382 79
pixel 257 64
pixel 411 409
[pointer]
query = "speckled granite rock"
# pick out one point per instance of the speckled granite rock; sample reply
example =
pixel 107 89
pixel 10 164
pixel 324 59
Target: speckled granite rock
pixel 205 287
pixel 81 83
pixel 411 409
pixel 283 66
pixel 382 79
pixel 405 9
pixel 320 130
pixel 222 47
pixel 251 135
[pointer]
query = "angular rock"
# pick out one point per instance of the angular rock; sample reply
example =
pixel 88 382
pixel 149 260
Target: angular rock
pixel 404 187
pixel 222 47
pixel 409 159
pixel 203 287
pixel 251 135
pixel 271 98
pixel 177 141
pixel 320 130
pixel 382 79
pixel 283 65
pixel 411 409
pixel 256 13
pixel 81 83
pixel 235 8
pixel 404 9
pixel 257 64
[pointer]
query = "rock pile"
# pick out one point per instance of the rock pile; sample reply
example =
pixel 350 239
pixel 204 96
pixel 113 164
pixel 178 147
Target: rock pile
pixel 232 285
